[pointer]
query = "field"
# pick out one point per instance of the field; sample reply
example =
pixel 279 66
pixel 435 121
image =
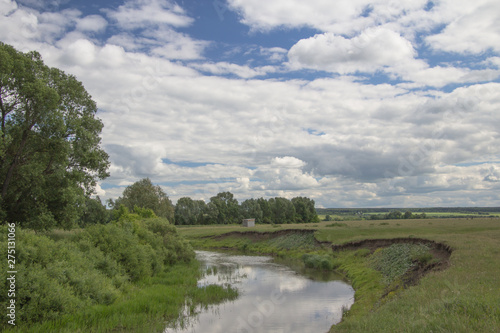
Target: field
pixel 353 214
pixel 464 297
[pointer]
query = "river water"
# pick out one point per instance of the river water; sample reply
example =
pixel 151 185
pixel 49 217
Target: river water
pixel 272 298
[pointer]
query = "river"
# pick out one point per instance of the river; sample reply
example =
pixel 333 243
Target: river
pixel 273 298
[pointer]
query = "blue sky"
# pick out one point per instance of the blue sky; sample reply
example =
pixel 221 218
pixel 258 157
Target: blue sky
pixel 352 103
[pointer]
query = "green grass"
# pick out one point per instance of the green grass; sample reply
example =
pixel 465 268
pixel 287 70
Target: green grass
pixel 462 298
pixel 147 307
pixel 135 277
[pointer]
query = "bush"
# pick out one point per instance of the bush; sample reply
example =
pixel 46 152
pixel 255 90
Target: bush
pixel 317 261
pixel 55 278
pixel 93 266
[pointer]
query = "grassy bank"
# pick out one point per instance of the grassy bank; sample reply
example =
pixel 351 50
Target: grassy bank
pixel 135 275
pixel 462 298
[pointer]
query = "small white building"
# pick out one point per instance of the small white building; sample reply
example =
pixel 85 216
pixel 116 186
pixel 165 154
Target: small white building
pixel 248 223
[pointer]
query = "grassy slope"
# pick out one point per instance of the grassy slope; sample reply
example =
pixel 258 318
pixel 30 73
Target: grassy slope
pixel 463 298
pixel 146 305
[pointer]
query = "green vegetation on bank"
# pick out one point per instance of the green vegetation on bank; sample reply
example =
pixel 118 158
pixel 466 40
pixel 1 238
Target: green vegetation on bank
pixel 461 298
pixel 134 274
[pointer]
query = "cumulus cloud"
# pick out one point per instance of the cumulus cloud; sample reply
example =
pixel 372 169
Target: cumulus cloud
pixel 473 29
pixel 94 23
pixel 284 173
pixel 368 52
pixel 339 17
pixel 199 126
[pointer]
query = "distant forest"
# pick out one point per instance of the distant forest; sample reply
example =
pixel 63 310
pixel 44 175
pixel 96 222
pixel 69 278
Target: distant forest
pixel 392 213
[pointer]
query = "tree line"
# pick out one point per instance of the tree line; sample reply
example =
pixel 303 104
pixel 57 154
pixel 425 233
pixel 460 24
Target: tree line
pixel 222 208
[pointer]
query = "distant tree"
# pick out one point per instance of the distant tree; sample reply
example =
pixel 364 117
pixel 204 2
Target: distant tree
pixel 304 210
pixel 189 211
pixel 408 215
pixel 420 216
pixel 395 214
pixel 223 209
pixel 144 194
pixel 283 210
pixel 328 218
pixel 50 154
pixel 267 212
pixel 251 209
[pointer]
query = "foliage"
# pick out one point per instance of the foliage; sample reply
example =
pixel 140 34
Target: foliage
pixel 144 194
pixel 251 209
pixel 189 211
pixel 283 210
pixel 336 224
pixel 93 212
pixel 50 154
pixel 90 267
pixel 224 209
pixel 144 307
pixel 317 261
pixel 304 210
pixel 396 215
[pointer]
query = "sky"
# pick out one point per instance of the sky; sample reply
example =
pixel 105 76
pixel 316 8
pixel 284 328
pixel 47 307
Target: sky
pixel 352 103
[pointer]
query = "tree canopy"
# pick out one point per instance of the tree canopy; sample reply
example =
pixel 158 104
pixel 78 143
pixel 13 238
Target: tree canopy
pixel 144 194
pixel 50 154
pixel 225 209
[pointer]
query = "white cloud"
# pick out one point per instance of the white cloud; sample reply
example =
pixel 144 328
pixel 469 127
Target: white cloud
pixel 284 173
pixel 473 28
pixel 144 13
pixel 368 52
pixel 7 7
pixel 222 68
pixel 339 17
pixel 338 140
pixel 94 23
pixel 81 52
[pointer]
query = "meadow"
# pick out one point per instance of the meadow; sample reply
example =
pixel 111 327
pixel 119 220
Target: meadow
pixel 463 297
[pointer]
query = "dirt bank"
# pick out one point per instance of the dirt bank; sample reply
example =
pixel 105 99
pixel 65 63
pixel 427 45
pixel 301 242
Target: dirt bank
pixel 263 235
pixel 441 252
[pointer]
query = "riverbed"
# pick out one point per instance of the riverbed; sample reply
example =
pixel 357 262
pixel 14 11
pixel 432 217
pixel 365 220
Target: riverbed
pixel 273 298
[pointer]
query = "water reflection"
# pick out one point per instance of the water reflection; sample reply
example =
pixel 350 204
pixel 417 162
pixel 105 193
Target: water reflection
pixel 273 298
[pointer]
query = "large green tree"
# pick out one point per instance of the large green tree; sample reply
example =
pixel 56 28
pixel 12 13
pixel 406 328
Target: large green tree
pixel 250 208
pixel 304 210
pixel 283 210
pixel 189 211
pixel 144 194
pixel 50 154
pixel 223 209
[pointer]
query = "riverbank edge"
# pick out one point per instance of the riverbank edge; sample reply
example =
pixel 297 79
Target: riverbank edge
pixel 349 260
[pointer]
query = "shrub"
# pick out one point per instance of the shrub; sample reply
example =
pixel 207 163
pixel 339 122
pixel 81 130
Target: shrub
pixel 317 261
pixel 93 266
